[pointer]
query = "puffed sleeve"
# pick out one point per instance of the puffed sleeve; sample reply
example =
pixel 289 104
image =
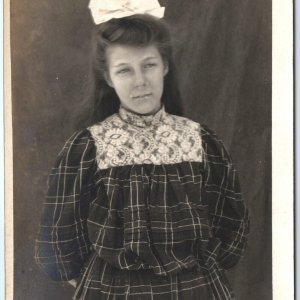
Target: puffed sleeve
pixel 63 245
pixel 228 214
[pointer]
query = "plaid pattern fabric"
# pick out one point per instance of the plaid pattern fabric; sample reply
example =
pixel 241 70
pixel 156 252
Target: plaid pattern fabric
pixel 143 231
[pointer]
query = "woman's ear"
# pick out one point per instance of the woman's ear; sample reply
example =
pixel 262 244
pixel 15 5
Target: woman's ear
pixel 108 80
pixel 166 68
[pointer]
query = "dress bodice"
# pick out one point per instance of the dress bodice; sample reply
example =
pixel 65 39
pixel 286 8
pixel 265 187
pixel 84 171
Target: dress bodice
pixel 136 194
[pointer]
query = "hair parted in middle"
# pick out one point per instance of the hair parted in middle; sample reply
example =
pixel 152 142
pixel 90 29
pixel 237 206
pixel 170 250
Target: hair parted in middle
pixel 140 30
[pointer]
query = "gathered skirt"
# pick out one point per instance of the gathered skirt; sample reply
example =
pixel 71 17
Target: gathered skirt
pixel 102 281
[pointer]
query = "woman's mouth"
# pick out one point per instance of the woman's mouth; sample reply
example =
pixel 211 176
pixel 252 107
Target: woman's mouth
pixel 141 97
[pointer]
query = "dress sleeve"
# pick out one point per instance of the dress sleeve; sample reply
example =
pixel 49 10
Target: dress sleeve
pixel 62 245
pixel 228 215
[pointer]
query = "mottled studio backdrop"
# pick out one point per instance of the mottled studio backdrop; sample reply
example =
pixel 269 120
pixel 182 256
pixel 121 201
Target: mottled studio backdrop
pixel 223 56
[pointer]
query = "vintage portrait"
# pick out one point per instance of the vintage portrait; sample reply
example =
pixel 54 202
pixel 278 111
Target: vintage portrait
pixel 142 149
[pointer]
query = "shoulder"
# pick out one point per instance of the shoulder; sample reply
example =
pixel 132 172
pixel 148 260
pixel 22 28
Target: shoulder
pixel 80 145
pixel 213 146
pixel 209 135
pixel 79 138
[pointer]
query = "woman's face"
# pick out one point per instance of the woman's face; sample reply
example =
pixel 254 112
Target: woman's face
pixel 137 75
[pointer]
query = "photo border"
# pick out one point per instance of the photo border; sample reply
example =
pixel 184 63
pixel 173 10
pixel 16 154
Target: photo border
pixel 282 152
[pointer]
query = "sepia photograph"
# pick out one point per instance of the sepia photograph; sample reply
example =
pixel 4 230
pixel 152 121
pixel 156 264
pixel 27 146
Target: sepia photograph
pixel 142 149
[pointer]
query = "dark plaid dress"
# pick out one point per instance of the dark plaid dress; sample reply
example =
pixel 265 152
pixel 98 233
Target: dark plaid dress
pixel 143 207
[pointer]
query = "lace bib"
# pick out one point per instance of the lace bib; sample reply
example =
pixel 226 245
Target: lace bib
pixel 127 138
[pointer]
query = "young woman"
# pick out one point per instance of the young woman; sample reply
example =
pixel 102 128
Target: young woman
pixel 142 204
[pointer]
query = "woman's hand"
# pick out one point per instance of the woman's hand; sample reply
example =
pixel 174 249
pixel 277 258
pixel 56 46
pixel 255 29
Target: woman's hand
pixel 73 282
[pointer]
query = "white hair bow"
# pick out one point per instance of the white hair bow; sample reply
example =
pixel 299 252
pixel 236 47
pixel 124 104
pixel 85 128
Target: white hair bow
pixel 104 10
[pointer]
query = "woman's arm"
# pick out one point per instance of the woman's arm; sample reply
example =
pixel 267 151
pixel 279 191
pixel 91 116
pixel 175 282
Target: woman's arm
pixel 228 215
pixel 63 245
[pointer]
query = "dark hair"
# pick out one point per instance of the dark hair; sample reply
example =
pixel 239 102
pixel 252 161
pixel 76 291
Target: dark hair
pixel 137 31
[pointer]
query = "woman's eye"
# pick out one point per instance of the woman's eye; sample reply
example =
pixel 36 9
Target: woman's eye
pixel 123 71
pixel 150 65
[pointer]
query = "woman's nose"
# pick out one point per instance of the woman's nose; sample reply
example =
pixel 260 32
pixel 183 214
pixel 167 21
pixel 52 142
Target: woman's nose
pixel 140 79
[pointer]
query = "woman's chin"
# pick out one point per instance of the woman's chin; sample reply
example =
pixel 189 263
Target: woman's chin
pixel 144 109
pixel 146 112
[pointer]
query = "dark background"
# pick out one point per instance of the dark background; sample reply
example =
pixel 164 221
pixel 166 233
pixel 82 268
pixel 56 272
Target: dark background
pixel 223 57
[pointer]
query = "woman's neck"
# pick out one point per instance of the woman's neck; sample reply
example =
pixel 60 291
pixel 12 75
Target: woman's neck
pixel 140 120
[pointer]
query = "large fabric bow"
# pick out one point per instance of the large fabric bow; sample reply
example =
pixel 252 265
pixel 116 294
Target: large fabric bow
pixel 104 10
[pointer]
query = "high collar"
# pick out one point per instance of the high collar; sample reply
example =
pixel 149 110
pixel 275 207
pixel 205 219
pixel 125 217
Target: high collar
pixel 141 120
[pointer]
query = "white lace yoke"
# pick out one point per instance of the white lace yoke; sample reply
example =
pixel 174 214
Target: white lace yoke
pixel 127 138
